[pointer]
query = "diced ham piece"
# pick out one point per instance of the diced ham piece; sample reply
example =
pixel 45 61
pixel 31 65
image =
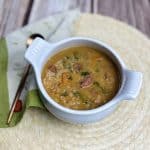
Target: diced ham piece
pixel 86 82
pixel 52 68
pixel 77 67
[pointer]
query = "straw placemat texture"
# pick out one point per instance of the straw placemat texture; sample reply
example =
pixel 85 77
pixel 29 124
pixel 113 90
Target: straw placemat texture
pixel 126 128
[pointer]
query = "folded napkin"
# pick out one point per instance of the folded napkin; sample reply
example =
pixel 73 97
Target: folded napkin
pixel 12 63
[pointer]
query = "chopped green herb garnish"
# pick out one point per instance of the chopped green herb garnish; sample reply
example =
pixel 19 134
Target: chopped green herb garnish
pixel 76 55
pixel 76 94
pixel 102 89
pixel 64 93
pixel 86 102
pixel 84 73
pixel 98 86
pixel 66 65
pixel 69 67
pixel 79 95
pixel 96 83
pixel 64 62
pixel 70 77
pixel 67 57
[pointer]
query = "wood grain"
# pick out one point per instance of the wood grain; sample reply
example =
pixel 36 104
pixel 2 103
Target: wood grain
pixel 12 15
pixel 45 8
pixel 133 12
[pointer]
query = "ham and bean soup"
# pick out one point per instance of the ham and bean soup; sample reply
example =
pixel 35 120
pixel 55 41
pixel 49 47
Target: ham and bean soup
pixel 80 78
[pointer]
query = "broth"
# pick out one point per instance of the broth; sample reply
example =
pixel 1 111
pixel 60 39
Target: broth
pixel 81 78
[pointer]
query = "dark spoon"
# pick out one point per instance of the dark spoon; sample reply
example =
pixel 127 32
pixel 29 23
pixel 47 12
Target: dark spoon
pixel 23 79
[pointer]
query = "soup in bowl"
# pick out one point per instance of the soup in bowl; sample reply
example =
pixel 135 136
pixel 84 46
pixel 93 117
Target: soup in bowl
pixel 81 80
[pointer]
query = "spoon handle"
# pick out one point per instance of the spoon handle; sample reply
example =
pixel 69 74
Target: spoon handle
pixel 18 93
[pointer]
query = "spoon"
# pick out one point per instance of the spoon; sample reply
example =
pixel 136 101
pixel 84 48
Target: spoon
pixel 23 79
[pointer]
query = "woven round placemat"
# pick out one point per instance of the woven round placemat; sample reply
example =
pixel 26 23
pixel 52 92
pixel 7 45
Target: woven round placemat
pixel 128 127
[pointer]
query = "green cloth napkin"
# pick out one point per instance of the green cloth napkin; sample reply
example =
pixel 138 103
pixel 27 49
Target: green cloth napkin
pixel 12 63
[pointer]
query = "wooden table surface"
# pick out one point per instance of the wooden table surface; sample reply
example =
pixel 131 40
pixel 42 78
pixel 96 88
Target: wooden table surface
pixel 17 13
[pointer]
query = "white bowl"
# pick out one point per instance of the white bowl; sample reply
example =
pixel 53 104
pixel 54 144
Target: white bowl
pixel 39 52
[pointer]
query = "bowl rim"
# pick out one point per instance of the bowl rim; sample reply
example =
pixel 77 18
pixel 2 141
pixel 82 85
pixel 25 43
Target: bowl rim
pixel 101 108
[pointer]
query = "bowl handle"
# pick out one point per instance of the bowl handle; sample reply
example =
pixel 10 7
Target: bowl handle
pixel 35 52
pixel 132 85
